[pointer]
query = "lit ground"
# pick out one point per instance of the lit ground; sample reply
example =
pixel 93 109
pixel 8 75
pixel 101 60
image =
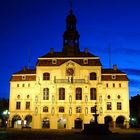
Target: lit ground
pixel 18 134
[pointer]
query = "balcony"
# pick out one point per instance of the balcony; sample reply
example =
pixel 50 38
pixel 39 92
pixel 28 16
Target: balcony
pixel 81 81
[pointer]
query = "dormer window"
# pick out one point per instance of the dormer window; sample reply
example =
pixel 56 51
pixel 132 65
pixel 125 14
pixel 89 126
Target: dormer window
pixel 23 77
pixel 54 61
pixel 85 61
pixel 113 76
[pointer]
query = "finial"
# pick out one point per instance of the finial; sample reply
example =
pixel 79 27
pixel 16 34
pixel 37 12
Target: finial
pixel 70 4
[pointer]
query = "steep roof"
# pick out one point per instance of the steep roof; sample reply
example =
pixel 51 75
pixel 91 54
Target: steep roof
pixel 62 54
pixel 113 75
pixel 26 71
pixel 112 71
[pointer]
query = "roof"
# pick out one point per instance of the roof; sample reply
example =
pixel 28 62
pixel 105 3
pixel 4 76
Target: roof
pixel 112 71
pixel 62 54
pixel 48 62
pixel 26 71
pixel 113 75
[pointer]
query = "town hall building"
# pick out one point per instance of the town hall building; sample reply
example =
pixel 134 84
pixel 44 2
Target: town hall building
pixel 64 88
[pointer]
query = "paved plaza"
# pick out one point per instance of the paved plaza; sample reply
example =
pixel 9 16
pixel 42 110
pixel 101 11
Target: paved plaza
pixel 41 134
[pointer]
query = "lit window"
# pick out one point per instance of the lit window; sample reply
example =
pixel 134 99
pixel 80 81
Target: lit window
pixel 18 104
pixel 119 105
pixel 27 105
pixel 61 109
pixel 17 85
pixel 78 109
pixel 28 96
pixel 23 85
pixel 93 76
pixel 28 85
pixel 78 93
pixel 45 109
pixel 92 93
pixel 109 106
pixel 45 94
pixel 46 76
pixel 61 94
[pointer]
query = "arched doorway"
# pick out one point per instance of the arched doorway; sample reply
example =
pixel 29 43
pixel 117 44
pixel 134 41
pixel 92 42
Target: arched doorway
pixel 46 123
pixel 16 121
pixel 78 123
pixel 120 122
pixel 108 121
pixel 28 121
pixel 61 123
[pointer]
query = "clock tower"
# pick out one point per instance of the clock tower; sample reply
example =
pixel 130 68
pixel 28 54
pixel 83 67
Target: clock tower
pixel 71 36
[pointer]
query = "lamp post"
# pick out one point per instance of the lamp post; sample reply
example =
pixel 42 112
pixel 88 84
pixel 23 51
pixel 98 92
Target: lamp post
pixel 5 117
pixel 95 114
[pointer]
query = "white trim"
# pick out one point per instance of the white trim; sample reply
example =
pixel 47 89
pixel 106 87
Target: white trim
pixel 68 58
pixel 114 74
pixel 23 74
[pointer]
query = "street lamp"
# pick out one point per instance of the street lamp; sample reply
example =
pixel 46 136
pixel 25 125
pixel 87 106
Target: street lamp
pixel 6 114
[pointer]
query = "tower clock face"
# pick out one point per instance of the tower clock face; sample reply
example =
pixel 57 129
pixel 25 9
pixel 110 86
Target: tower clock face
pixel 70 71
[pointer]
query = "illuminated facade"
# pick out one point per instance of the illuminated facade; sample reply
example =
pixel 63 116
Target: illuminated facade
pixel 63 89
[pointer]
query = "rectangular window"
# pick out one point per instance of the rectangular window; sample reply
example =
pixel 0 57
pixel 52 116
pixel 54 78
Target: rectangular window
pixel 27 105
pixel 119 106
pixel 120 85
pixel 78 109
pixel 109 106
pixel 61 94
pixel 61 109
pixel 46 76
pixel 107 85
pixel 18 104
pixel 92 93
pixel 78 93
pixel 113 84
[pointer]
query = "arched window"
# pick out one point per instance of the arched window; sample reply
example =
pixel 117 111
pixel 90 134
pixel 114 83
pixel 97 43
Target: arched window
pixel 45 109
pixel 46 76
pixel 45 94
pixel 93 76
pixel 61 109
pixel 78 93
pixel 92 93
pixel 61 94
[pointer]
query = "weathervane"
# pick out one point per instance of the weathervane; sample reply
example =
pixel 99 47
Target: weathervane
pixel 70 4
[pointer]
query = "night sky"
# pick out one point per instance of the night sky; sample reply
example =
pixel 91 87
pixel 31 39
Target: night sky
pixel 29 28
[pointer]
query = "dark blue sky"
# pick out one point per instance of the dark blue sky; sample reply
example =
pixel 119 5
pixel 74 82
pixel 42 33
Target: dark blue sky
pixel 35 26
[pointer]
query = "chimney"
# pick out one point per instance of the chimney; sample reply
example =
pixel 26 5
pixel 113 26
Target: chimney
pixel 51 50
pixel 86 50
pixel 115 67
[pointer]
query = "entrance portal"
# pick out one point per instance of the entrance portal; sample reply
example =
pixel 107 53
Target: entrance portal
pixel 16 121
pixel 78 123
pixel 61 123
pixel 46 123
